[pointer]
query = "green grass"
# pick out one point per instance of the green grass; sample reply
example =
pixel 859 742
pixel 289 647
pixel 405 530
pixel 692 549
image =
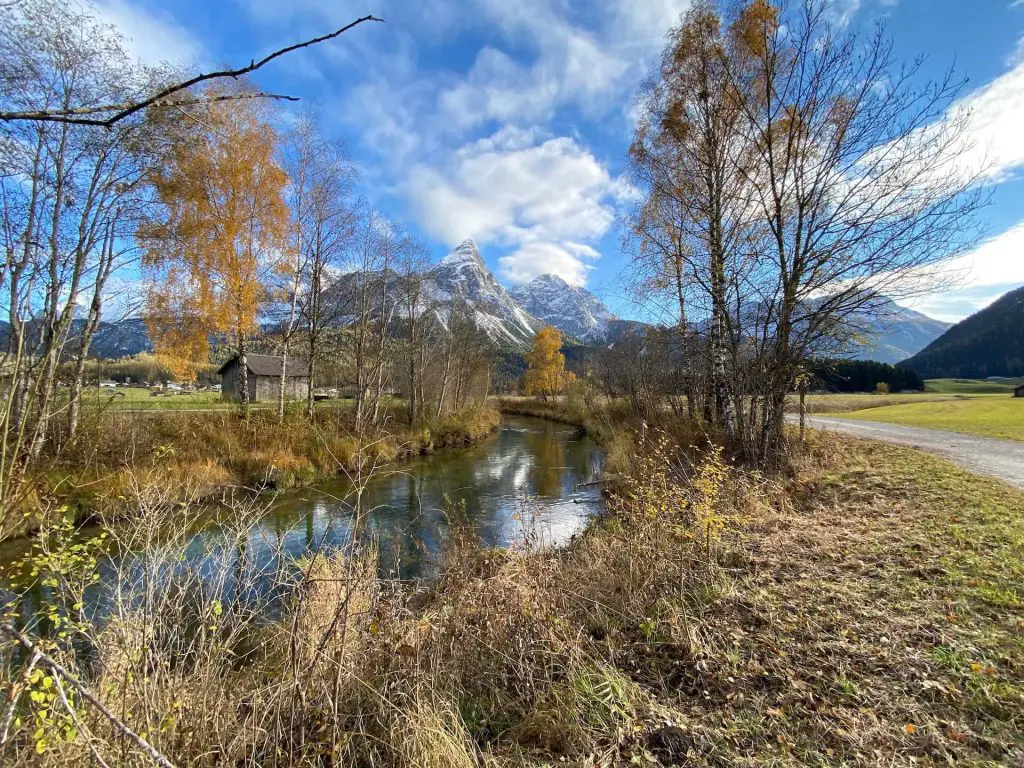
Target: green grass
pixel 1001 417
pixel 142 399
pixel 971 386
pixel 818 402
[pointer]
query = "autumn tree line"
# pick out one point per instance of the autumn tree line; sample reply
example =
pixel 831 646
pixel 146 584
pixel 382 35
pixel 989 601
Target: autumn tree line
pixel 794 174
pixel 248 235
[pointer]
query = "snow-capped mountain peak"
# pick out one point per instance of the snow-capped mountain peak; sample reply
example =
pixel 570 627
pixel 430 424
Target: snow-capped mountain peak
pixel 462 277
pixel 465 252
pixel 568 308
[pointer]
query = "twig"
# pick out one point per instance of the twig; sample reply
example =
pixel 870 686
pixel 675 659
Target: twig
pixel 14 695
pixel 79 686
pixel 78 722
pixel 75 115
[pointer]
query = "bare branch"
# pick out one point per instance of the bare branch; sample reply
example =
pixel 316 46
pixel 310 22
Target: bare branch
pixel 78 685
pixel 78 116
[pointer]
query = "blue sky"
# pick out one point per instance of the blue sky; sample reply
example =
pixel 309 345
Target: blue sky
pixel 508 121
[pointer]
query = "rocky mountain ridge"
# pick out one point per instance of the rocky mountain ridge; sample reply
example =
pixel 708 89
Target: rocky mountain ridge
pixel 570 309
pixel 510 317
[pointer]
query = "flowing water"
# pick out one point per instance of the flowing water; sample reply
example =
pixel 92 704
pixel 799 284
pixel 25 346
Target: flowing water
pixel 525 485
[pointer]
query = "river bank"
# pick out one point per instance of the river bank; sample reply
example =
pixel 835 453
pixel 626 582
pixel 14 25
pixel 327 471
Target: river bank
pixel 190 457
pixel 860 609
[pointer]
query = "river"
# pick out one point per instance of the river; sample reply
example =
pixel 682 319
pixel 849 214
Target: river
pixel 520 487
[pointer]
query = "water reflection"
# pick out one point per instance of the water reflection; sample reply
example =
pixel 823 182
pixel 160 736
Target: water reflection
pixel 519 486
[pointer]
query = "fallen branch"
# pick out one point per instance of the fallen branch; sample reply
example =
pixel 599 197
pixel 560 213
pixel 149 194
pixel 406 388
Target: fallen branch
pixel 79 115
pixel 88 695
pixel 605 479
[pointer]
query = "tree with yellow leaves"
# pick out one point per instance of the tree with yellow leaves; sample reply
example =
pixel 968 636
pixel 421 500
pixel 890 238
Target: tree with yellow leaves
pixel 546 374
pixel 220 233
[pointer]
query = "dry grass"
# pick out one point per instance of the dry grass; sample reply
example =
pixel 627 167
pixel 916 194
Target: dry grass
pixel 865 611
pixel 844 403
pixel 209 453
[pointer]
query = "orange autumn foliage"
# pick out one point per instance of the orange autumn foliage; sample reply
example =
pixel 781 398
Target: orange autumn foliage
pixel 546 374
pixel 221 233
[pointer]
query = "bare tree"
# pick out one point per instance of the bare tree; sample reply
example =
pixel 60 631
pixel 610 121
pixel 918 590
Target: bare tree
pixel 67 193
pixel 322 218
pixel 685 153
pixel 412 265
pixel 845 182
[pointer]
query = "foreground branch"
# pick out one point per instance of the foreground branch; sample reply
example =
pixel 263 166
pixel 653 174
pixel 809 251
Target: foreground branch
pixel 79 686
pixel 80 115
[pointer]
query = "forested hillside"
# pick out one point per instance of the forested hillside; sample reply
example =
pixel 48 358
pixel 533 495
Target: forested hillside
pixel 988 343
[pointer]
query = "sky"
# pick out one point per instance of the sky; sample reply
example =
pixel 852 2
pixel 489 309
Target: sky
pixel 508 121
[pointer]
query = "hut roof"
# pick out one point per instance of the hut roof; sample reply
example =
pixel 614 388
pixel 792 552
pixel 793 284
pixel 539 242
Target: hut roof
pixel 268 365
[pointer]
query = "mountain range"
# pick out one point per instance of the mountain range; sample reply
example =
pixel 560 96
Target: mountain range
pixel 890 333
pixel 572 310
pixel 510 317
pixel 988 343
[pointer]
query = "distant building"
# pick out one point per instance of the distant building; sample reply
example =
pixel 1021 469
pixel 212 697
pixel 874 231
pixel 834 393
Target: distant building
pixel 264 372
pixel 1018 391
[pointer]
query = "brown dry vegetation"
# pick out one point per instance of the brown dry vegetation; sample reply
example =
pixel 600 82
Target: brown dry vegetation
pixel 204 453
pixel 865 611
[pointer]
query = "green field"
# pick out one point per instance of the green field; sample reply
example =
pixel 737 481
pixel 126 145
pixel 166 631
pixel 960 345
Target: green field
pixel 971 386
pixel 1001 417
pixel 141 399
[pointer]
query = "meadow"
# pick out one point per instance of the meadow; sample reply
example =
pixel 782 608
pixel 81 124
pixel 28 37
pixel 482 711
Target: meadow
pixel 988 416
pixel 972 386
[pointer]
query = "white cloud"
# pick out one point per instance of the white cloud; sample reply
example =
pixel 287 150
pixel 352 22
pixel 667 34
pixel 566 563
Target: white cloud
pixel 980 277
pixel 548 199
pixel 534 259
pixel 996 116
pixel 841 12
pixel 151 35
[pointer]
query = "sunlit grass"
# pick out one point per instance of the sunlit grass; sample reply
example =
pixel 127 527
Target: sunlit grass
pixel 971 386
pixel 1000 417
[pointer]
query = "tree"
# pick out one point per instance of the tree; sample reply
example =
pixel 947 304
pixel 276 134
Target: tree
pixel 545 373
pixel 221 230
pixel 108 114
pixel 412 266
pixel 323 218
pixel 67 195
pixel 690 226
pixel 838 180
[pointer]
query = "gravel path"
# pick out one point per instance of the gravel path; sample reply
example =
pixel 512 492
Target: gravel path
pixel 1003 459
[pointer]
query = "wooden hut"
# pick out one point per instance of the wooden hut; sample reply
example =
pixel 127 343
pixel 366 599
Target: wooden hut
pixel 1018 391
pixel 264 372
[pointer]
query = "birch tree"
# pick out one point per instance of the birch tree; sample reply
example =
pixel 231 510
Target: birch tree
pixel 221 229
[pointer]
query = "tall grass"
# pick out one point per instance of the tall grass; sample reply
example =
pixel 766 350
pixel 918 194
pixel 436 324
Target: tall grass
pixel 512 657
pixel 213 452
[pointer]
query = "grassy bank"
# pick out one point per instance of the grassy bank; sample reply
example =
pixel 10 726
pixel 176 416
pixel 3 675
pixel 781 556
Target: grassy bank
pixel 989 416
pixel 864 611
pixel 199 454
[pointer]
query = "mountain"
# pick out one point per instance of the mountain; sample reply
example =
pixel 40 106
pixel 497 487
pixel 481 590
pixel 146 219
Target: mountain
pixel 988 343
pixel 120 338
pixel 572 310
pixel 893 333
pixel 462 276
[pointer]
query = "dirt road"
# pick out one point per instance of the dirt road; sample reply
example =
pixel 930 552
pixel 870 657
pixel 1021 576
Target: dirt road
pixel 1003 459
